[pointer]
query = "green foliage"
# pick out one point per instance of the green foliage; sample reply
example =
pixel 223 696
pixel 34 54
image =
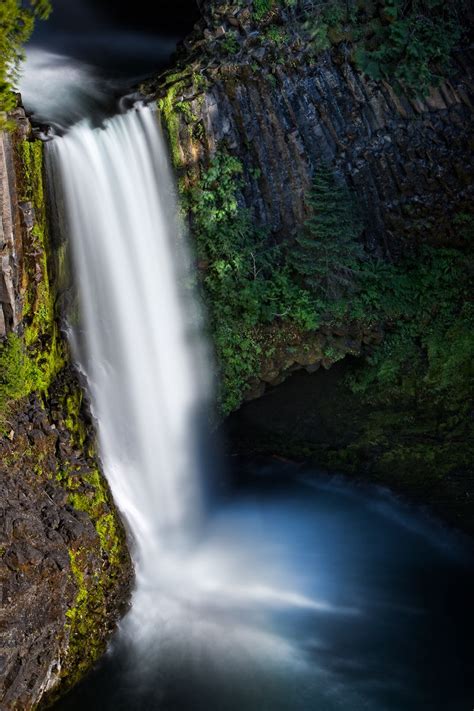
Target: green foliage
pixel 277 35
pixel 261 8
pixel 464 223
pixel 230 44
pixel 428 353
pixel 244 280
pixel 326 253
pixel 324 279
pixel 409 42
pixel 17 20
pixel 412 43
pixel 326 22
pixel 30 362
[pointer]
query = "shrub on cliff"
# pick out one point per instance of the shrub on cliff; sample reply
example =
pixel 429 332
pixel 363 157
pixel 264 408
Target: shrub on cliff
pixel 245 281
pixel 407 42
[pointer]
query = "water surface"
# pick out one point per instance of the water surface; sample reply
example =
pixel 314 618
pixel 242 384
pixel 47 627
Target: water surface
pixel 303 592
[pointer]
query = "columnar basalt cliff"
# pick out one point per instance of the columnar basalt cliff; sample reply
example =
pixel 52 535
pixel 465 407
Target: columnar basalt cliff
pixel 252 101
pixel 64 568
pixel 283 111
pixel 252 112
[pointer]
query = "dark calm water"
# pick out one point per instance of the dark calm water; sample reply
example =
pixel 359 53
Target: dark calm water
pixel 320 595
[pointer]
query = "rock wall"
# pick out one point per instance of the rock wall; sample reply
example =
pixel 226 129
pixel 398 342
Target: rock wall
pixel 248 84
pixel 15 220
pixel 284 111
pixel 254 89
pixel 65 572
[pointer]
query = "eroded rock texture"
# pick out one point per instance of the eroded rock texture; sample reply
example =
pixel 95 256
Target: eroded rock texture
pixel 283 112
pixel 43 532
pixel 15 216
pixel 65 572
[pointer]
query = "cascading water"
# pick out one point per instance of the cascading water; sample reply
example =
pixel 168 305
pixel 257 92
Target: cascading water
pixel 277 600
pixel 140 364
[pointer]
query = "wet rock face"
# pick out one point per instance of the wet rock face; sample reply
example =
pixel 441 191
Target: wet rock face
pixel 14 217
pixel 402 157
pixel 283 112
pixel 37 589
pixel 41 530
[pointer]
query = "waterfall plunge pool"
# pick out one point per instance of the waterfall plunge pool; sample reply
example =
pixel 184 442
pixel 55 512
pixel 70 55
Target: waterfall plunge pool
pixel 304 592
pixel 301 592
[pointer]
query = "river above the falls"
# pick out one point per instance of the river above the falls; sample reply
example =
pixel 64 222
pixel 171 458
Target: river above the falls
pixel 303 592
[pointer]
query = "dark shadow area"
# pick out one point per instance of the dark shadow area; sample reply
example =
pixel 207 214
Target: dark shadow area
pixel 316 409
pixel 88 55
pixel 318 418
pixel 119 38
pixel 391 628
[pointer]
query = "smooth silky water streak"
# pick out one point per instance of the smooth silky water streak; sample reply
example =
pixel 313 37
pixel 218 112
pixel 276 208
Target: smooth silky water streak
pixel 140 354
pixel 139 344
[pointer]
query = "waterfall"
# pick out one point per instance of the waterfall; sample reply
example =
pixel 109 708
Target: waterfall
pixel 137 343
pixel 274 601
pixel 137 339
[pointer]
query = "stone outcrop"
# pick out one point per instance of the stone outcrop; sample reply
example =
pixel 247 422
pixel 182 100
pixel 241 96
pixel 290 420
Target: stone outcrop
pixel 293 350
pixel 254 89
pixel 63 587
pixel 283 111
pixel 65 572
pixel 15 221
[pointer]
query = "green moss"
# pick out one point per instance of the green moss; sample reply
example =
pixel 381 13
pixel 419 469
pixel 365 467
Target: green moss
pixel 229 45
pixel 25 370
pixel 89 492
pixel 261 8
pixel 16 376
pixel 84 619
pixel 170 109
pixel 110 538
pixel 277 35
pixel 30 154
pixel 31 360
pixel 88 617
pixel 74 419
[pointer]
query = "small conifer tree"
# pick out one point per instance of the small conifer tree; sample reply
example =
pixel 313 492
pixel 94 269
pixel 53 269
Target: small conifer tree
pixel 327 253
